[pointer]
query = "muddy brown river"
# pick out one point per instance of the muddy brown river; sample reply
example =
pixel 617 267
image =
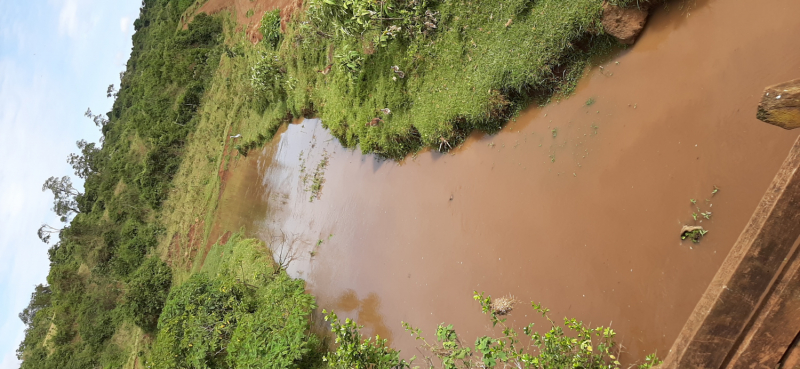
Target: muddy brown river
pixel 585 221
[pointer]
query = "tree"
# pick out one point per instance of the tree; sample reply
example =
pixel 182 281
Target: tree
pixel 46 231
pixel 87 162
pixel 64 194
pixel 40 298
pixel 111 91
pixel 99 120
pixel 147 292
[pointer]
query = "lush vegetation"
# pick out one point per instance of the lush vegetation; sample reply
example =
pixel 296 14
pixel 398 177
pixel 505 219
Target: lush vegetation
pixel 392 77
pixel 244 312
pixel 579 346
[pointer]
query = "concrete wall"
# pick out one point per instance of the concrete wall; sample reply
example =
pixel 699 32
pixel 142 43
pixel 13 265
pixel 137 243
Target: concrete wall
pixel 749 317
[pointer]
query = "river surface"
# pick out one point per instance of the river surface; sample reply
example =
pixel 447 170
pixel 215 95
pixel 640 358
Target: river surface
pixel 584 219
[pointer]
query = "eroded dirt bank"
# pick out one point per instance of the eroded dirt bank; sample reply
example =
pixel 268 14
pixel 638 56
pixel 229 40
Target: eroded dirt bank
pixel 576 205
pixel 248 13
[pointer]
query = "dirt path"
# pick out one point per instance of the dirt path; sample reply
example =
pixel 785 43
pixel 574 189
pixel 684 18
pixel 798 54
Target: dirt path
pixel 241 9
pixel 576 205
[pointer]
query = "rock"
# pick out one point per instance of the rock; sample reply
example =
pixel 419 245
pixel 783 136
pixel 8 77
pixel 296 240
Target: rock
pixel 624 23
pixel 780 105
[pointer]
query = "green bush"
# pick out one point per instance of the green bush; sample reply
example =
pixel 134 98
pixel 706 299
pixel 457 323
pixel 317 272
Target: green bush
pixel 276 335
pixel 267 79
pixel 97 317
pixel 202 32
pixel 355 352
pixel 147 292
pixel 577 347
pixel 248 315
pixel 197 323
pixel 271 27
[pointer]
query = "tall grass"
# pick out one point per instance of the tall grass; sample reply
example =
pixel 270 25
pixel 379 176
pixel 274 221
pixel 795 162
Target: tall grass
pixel 482 63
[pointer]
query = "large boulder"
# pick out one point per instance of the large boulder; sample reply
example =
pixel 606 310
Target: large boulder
pixel 780 105
pixel 624 23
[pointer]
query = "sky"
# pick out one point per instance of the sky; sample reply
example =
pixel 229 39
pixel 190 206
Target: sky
pixel 57 58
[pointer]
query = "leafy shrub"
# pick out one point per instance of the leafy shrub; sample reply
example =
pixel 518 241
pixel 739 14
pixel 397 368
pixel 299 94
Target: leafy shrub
pixel 267 77
pixel 189 102
pixel 245 316
pixel 354 352
pixel 276 335
pixel 351 61
pixel 130 254
pixel 96 322
pixel 271 27
pixel 147 292
pixel 582 347
pixel 202 32
pixel 198 321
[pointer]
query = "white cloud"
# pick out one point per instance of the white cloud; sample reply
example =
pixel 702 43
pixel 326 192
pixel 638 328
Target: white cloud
pixel 124 24
pixel 68 18
pixel 78 19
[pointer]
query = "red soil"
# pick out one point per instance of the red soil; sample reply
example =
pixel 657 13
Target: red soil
pixel 259 7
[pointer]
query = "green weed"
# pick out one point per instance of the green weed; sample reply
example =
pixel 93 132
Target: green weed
pixel 694 235
pixel 271 27
pixel 575 345
pixel 317 178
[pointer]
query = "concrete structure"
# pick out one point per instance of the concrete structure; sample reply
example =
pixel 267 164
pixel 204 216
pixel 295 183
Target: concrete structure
pixel 749 317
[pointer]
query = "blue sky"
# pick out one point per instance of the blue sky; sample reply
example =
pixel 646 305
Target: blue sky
pixel 57 57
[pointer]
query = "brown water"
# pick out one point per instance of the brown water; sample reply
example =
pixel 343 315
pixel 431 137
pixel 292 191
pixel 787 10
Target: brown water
pixel 592 235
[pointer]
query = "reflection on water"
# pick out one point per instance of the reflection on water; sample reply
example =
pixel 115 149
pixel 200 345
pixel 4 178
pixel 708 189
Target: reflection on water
pixel 365 311
pixel 576 205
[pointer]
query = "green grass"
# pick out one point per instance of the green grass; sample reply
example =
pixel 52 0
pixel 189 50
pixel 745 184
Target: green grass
pixel 229 107
pixel 485 61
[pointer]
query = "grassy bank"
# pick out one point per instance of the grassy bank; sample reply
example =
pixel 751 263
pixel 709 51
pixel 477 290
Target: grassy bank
pixel 441 69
